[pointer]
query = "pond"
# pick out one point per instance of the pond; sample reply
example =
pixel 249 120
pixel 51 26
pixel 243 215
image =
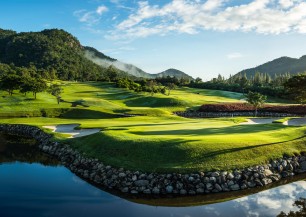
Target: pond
pixel 31 184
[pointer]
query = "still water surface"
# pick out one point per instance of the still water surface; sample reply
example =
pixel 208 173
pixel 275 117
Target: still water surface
pixel 49 190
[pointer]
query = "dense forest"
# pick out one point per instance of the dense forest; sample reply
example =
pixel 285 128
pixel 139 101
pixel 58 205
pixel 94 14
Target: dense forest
pixel 50 54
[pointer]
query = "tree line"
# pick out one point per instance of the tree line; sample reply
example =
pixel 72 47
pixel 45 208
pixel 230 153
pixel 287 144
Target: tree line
pixel 280 86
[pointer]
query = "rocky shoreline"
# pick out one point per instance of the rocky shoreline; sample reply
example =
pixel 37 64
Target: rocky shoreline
pixel 140 183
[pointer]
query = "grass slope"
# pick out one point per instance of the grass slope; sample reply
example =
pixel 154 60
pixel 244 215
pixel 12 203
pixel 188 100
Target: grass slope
pixel 158 141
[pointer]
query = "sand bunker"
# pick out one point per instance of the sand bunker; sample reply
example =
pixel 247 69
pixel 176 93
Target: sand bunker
pixel 260 120
pixel 69 129
pixel 291 122
pixel 296 122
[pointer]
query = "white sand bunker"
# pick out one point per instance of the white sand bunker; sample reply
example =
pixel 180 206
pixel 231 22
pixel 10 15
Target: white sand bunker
pixel 296 122
pixel 69 129
pixel 291 122
pixel 260 120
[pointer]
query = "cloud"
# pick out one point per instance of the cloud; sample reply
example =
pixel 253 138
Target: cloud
pixel 90 17
pixel 234 55
pixel 101 9
pixel 193 16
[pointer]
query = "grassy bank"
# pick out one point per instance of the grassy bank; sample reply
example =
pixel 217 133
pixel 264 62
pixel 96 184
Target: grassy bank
pixel 158 141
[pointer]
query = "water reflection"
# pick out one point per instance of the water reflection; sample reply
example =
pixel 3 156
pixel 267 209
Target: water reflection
pixel 34 189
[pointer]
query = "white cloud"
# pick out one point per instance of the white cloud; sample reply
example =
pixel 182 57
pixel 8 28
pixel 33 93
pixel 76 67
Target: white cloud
pixel 101 9
pixel 90 17
pixel 234 55
pixel 192 16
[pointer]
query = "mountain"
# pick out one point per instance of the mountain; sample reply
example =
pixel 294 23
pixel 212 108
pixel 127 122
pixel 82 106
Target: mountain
pixel 106 61
pixel 101 59
pixel 53 53
pixel 173 73
pixel 278 66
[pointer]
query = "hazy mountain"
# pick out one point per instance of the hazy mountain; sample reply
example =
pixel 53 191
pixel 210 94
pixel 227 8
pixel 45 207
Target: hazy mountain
pixel 173 73
pixel 278 66
pixel 105 61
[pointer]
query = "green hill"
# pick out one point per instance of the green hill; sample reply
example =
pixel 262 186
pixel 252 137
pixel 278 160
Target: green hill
pixel 278 66
pixel 55 53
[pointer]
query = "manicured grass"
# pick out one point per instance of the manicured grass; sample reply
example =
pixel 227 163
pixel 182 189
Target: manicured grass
pixel 178 144
pixel 157 141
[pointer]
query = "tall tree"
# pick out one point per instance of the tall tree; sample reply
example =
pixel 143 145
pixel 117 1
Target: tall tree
pixel 256 99
pixel 10 83
pixel 56 90
pixel 170 86
pixel 296 86
pixel 38 86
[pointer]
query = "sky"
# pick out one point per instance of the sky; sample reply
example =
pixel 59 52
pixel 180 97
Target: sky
pixel 203 38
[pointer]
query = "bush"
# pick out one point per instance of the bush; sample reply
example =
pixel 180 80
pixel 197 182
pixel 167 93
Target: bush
pixel 243 107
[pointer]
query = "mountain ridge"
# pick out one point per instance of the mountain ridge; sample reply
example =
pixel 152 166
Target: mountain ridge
pixel 103 60
pixel 278 66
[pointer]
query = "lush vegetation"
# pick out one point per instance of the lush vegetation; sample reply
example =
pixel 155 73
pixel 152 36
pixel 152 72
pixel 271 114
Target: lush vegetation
pixel 260 83
pixel 244 107
pixel 154 140
pixel 50 54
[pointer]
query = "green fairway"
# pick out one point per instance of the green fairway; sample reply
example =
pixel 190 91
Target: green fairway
pixel 158 140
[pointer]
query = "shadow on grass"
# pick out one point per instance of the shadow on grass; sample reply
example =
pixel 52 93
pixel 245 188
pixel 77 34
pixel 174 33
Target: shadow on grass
pixel 237 129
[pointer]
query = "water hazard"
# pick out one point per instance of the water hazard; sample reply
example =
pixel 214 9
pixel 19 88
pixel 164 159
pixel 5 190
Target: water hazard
pixel 31 184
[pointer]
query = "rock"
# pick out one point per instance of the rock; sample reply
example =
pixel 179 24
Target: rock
pixel 141 183
pixel 121 175
pixel 183 192
pixel 125 190
pixel 179 185
pixel 191 192
pixel 169 189
pixel 147 191
pixel 243 186
pixel 218 187
pixel 258 182
pixel 155 190
pixel 209 186
pixel 235 187
pixel 215 174
pixel 230 176
pixel 190 179
pixel 200 190
pixel 280 168
pixel 213 179
pixel 134 177
pixel 134 192
pixel 266 181
pixel 230 183
pixel 267 172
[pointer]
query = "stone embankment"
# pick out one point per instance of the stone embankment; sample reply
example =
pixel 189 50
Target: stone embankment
pixel 196 114
pixel 136 182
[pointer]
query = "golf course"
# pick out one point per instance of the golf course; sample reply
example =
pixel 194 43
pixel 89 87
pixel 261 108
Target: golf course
pixel 139 131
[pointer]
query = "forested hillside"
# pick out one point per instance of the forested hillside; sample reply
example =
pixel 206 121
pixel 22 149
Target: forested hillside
pixel 278 67
pixel 51 53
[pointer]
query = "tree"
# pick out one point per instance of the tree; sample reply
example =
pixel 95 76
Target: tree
pixel 151 86
pixel 301 204
pixel 10 83
pixel 296 87
pixel 56 90
pixel 255 99
pixel 38 86
pixel 170 86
